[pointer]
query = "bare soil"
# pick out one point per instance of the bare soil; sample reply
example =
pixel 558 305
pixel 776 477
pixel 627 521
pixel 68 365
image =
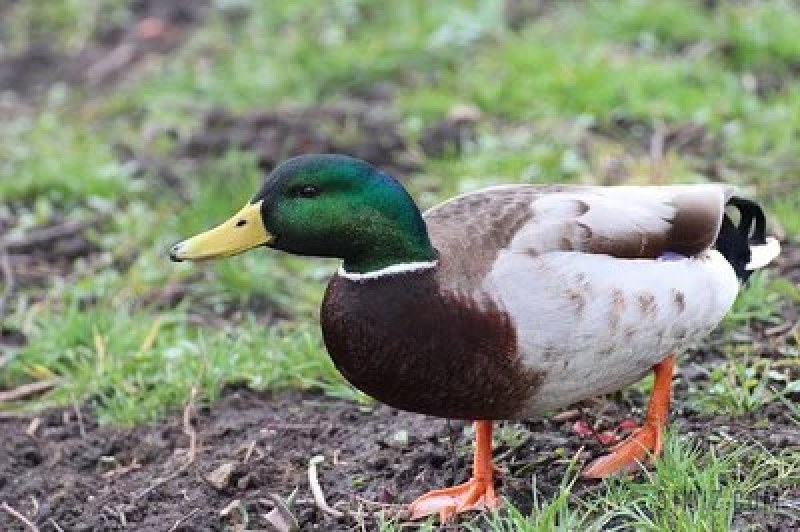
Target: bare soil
pixel 113 52
pixel 62 469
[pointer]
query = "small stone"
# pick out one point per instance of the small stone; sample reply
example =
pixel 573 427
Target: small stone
pixel 245 482
pixel 399 438
pixel 234 504
pixel 220 478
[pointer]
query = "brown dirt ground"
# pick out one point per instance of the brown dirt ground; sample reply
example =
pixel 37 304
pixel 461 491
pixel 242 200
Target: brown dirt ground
pixel 83 476
pixel 154 27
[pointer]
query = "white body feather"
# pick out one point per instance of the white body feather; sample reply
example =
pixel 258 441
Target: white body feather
pixel 595 324
pixel 764 254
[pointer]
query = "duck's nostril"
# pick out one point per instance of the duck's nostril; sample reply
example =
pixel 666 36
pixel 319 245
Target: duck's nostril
pixel 241 223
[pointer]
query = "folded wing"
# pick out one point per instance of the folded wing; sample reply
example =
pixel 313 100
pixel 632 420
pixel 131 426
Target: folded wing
pixel 625 222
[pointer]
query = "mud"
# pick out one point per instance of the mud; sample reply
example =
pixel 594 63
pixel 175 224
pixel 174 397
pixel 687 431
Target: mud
pixel 68 470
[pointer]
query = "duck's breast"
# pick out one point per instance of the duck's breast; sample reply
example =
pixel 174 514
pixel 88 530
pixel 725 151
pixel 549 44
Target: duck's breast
pixel 406 343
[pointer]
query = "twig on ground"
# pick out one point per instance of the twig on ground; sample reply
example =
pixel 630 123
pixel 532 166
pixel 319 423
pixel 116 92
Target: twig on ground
pixel 11 511
pixel 56 525
pixel 160 481
pixel 567 415
pixel 79 417
pixel 40 237
pixel 336 461
pixel 249 452
pixel 233 505
pixel 113 62
pixel 26 390
pixel 783 330
pixel 191 453
pixel 16 415
pixel 133 466
pixel 33 427
pixel 183 519
pixel 188 429
pixel 316 489
pixel 8 281
pixel 381 504
pixel 657 153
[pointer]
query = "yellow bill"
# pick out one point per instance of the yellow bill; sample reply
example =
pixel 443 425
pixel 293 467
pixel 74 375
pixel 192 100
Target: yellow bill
pixel 245 230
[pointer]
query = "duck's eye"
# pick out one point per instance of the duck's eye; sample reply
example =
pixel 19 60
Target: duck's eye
pixel 305 191
pixel 241 223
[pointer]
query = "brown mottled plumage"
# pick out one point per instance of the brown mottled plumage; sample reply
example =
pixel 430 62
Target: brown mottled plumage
pixel 490 218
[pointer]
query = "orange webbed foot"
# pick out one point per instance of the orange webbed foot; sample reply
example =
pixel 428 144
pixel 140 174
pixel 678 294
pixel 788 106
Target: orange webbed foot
pixel 644 444
pixel 475 494
pixel 641 447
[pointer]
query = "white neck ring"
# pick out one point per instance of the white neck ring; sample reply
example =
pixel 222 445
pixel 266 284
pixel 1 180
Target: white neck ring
pixel 394 269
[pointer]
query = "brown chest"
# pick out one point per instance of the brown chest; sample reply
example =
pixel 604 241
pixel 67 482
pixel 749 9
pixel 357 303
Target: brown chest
pixel 404 342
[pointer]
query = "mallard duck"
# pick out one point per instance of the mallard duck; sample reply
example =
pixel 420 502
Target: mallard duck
pixel 508 302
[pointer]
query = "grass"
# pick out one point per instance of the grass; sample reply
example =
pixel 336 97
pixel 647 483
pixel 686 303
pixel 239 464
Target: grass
pixel 64 166
pixel 133 365
pixel 63 24
pixel 758 301
pixel 738 387
pixel 544 92
pixel 694 486
pixel 557 514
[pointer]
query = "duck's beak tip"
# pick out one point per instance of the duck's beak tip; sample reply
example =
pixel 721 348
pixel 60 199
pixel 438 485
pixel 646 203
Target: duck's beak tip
pixel 175 252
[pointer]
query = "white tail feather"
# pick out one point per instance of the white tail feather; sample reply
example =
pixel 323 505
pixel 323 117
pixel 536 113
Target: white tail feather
pixel 762 255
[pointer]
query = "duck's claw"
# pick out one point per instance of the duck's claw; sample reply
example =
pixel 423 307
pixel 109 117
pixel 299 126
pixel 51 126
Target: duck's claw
pixel 475 494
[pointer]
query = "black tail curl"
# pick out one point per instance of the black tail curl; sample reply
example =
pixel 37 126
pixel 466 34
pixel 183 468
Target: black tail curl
pixel 734 242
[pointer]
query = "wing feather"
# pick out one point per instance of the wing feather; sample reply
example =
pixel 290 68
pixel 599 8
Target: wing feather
pixel 626 222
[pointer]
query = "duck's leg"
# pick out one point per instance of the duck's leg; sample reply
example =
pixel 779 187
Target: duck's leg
pixel 645 442
pixel 476 493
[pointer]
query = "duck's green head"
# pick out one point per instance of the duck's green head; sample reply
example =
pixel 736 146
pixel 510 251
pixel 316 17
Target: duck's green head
pixel 325 206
